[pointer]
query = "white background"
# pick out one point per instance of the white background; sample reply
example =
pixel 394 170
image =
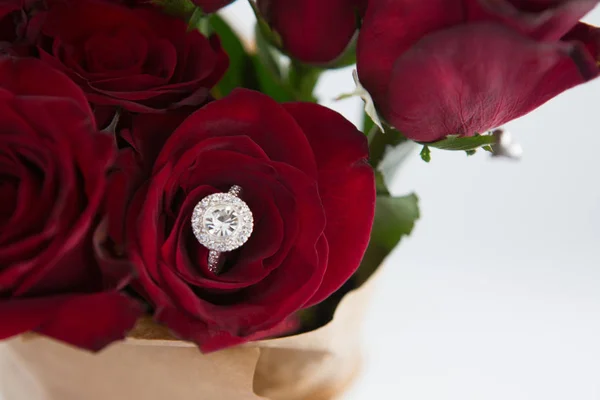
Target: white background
pixel 497 293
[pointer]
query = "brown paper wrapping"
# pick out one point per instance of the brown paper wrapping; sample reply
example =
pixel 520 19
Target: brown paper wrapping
pixel 317 365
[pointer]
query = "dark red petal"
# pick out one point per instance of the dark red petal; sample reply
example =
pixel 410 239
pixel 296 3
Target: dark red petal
pixel 211 339
pixel 143 242
pixel 125 178
pixel 149 132
pixel 538 19
pixel 473 78
pixel 27 76
pixel 313 31
pixel 221 63
pixel 93 321
pixel 290 286
pixel 389 29
pixel 87 321
pixel 84 153
pixel 588 35
pixel 186 327
pixel 346 186
pixel 72 21
pixel 9 191
pixel 245 113
pixel 123 51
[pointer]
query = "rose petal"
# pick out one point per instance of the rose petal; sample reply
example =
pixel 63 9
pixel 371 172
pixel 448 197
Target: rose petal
pixel 313 31
pixel 23 77
pixel 392 27
pixel 248 113
pixel 92 321
pixel 588 35
pixel 346 186
pixel 212 339
pixel 435 93
pixel 124 50
pixel 87 321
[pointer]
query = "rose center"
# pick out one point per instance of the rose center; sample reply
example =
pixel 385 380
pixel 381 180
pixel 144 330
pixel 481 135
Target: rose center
pixel 8 197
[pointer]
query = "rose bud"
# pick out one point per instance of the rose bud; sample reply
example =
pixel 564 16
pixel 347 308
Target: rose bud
pixel 313 31
pixel 139 59
pixel 449 67
pixel 53 166
pixel 300 215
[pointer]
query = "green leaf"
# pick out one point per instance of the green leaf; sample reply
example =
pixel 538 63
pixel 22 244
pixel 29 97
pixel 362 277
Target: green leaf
pixel 303 78
pixel 380 185
pixel 380 142
pixel 178 8
pixel 455 142
pixel 426 153
pixel 261 78
pixel 239 61
pixel 395 218
pixel 258 71
pixel 198 21
pixel 268 54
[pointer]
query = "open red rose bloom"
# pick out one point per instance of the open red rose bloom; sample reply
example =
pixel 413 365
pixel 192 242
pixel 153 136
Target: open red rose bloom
pixel 312 213
pixel 120 121
pixel 53 166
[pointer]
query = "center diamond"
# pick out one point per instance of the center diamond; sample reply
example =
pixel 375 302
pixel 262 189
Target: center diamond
pixel 221 221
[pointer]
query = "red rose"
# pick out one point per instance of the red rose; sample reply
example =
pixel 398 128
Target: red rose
pixel 136 58
pixel 52 179
pixel 305 177
pixel 466 66
pixel 313 31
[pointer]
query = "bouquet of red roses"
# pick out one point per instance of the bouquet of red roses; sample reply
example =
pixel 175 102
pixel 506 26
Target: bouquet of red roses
pixel 164 181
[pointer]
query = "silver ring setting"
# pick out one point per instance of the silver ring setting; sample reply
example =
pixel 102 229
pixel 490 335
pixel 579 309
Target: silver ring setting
pixel 222 222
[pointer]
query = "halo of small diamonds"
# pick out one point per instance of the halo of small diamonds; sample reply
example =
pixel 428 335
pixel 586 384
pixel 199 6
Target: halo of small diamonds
pixel 222 222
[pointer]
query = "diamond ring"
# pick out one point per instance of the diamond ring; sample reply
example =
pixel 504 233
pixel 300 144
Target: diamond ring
pixel 222 222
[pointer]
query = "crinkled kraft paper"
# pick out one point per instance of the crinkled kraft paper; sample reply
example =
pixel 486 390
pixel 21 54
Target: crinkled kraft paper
pixel 317 365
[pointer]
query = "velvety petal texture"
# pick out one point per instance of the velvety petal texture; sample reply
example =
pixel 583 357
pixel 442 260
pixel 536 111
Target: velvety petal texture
pixel 305 177
pixel 314 31
pixel 139 59
pixel 466 66
pixel 53 168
